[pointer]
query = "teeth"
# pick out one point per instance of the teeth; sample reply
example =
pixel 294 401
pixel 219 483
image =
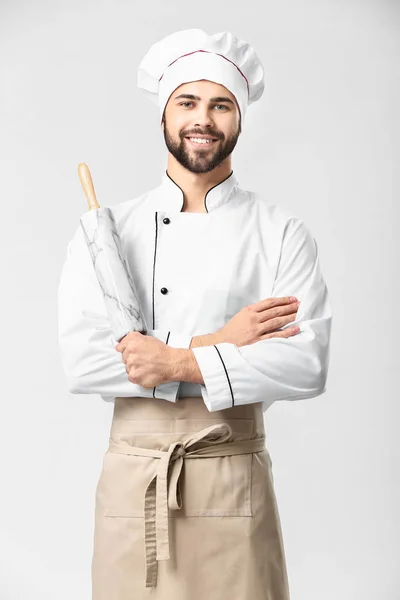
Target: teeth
pixel 200 140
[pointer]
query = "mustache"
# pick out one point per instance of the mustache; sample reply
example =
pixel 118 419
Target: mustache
pixel 209 133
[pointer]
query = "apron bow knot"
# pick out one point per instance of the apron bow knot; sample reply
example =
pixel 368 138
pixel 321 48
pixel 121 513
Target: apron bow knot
pixel 163 491
pixel 180 451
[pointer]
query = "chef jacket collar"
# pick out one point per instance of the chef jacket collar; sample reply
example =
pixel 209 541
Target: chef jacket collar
pixel 171 199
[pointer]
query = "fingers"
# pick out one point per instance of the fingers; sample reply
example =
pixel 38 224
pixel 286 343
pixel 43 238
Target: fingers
pixel 278 316
pixel 268 303
pixel 274 324
pixel 286 333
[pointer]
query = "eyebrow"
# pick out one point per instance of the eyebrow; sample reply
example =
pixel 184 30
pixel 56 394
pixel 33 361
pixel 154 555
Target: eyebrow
pixel 214 99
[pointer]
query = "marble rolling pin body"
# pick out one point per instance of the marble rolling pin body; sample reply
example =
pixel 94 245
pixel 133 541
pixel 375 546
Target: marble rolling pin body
pixel 110 264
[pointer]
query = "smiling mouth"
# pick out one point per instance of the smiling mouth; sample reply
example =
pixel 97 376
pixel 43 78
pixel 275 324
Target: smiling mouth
pixel 204 143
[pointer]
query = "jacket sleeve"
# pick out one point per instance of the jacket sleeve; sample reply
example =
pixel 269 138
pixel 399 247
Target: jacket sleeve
pixel 273 369
pixel 90 361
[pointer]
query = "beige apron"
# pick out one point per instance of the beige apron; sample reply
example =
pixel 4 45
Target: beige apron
pixel 185 506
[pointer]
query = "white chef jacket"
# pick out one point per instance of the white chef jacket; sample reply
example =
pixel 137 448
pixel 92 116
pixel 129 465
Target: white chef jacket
pixel 193 273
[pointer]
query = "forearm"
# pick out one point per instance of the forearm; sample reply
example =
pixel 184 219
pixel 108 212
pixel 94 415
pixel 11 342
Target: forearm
pixel 205 340
pixel 184 365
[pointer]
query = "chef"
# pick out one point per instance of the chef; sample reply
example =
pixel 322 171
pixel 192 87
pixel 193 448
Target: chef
pixel 239 317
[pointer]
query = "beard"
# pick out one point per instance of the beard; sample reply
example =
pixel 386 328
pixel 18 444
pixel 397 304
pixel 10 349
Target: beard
pixel 201 161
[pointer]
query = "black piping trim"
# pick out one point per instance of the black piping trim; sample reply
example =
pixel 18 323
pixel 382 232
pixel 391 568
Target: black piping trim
pixel 167 337
pixel 227 376
pixel 154 272
pixel 214 186
pixel 205 197
pixel 183 197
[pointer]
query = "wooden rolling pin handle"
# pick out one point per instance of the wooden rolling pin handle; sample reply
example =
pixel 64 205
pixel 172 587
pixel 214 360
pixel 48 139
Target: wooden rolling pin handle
pixel 87 184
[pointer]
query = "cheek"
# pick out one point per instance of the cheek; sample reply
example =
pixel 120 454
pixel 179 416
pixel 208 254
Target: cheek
pixel 177 128
pixel 228 125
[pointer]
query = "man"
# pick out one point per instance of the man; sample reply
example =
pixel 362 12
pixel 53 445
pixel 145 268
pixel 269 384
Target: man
pixel 185 503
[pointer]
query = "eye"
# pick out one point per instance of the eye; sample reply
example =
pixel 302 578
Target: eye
pixel 220 105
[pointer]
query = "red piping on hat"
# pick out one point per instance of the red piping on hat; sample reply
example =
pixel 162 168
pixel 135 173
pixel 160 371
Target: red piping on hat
pixel 194 52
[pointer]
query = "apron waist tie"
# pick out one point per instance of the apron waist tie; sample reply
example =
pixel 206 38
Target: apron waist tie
pixel 163 492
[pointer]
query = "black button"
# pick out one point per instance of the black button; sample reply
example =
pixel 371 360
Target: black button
pixel 164 291
pixel 166 220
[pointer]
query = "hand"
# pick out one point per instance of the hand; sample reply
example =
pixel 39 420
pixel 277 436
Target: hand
pixel 147 359
pixel 259 321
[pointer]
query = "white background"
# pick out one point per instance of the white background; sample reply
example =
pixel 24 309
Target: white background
pixel 322 141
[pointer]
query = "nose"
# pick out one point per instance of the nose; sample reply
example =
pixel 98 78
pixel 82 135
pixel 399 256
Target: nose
pixel 203 117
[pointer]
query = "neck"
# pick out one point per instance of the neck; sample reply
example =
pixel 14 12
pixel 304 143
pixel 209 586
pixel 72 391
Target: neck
pixel 196 185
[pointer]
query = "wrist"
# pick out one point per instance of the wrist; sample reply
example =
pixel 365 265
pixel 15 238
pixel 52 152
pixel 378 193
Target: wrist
pixel 184 367
pixel 179 359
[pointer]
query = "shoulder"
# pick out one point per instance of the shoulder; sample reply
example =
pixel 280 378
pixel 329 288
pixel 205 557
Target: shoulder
pixel 122 209
pixel 121 212
pixel 276 218
pixel 275 212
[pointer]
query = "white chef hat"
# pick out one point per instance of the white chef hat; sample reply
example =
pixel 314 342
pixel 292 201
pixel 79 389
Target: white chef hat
pixel 191 55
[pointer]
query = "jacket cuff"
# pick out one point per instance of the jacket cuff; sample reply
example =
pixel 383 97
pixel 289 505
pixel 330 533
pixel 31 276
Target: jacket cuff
pixel 213 362
pixel 177 339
